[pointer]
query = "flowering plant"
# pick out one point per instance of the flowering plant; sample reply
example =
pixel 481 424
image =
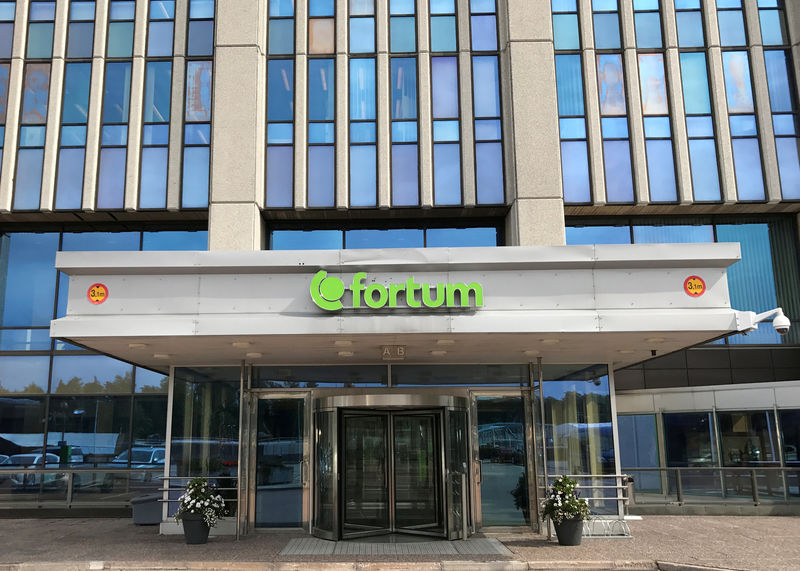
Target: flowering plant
pixel 201 498
pixel 563 502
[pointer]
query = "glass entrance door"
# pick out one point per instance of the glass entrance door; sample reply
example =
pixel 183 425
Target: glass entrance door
pixel 392 477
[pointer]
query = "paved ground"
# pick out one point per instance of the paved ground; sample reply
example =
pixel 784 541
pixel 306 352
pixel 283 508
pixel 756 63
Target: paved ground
pixel 668 543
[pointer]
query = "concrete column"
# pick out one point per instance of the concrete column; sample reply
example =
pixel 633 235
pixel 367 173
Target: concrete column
pixel 383 108
pixel 134 154
pixel 47 198
pixel 536 199
pixel 238 128
pixel 680 141
pixel 342 113
pixel 95 118
pixel 424 96
pixel 468 190
pixel 719 104
pixel 177 101
pixel 594 133
pixel 300 106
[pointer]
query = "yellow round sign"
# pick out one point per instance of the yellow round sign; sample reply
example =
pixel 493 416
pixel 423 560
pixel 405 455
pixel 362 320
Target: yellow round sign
pixel 97 293
pixel 694 286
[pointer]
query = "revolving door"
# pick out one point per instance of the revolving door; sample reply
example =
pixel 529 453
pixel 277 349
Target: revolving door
pixel 390 464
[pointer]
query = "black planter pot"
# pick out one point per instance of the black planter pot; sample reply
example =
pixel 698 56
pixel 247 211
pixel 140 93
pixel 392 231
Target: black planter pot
pixel 195 530
pixel 569 531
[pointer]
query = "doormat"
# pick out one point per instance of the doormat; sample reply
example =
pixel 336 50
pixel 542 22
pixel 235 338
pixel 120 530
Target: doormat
pixel 316 546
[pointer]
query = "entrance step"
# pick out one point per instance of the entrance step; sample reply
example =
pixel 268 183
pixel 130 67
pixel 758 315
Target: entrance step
pixel 315 546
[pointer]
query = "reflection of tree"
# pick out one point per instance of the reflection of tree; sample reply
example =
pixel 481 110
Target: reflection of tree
pixel 120 385
pixel 32 388
pixel 163 387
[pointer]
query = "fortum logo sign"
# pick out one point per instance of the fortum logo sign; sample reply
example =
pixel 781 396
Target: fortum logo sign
pixel 328 293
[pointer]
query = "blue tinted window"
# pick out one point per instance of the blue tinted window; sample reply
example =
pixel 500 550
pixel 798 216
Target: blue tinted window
pixel 362 132
pixel 40 40
pixel 402 34
pixel 159 39
pixel 6 39
pixel 705 173
pixel 202 8
pixel 321 88
pixel 444 71
pixel 772 31
pixel 395 238
pixel 91 374
pixel 690 29
pixel 76 92
pixel 29 288
pixel 162 9
pixel 281 36
pixel 81 10
pixel 612 84
pixel 120 39
pixel 116 98
pixel 737 82
pixel 489 173
pixel 81 40
pixel 153 182
pixel 565 32
pixel 694 76
pixel 362 88
pixel 122 10
pixel 404 88
pixel 69 185
pixel 747 162
pixel 195 177
pixel 362 35
pixel 36 91
pixel 751 280
pixel 486 86
pixel 789 164
pixel 575 171
pixel 280 96
pixel 587 235
pixel 100 241
pixel 443 33
pixel 111 179
pixel 401 6
pixel 280 176
pixel 20 375
pixel 648 30
pixel 673 234
pixel 321 176
pixel 780 94
pixel 201 38
pixel 27 189
pixel 661 171
pixel 460 237
pixel 619 183
pixel 280 133
pixel 447 174
pixel 306 240
pixel 363 178
pixel 158 84
pixel 606 31
pixel 484 33
pixel 569 84
pixel 278 8
pixel 405 173
pixel 175 240
pixel 198 91
pixel 731 28
pixel 320 7
pixel 367 7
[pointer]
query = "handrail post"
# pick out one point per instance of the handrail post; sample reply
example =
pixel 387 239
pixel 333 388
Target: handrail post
pixel 679 485
pixel 69 487
pixel 754 485
pixel 464 518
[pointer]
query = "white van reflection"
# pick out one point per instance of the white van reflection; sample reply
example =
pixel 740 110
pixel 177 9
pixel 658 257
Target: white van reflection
pixel 25 482
pixel 141 458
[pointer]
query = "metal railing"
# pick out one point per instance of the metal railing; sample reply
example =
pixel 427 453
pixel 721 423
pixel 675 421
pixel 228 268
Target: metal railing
pixel 715 484
pixel 617 492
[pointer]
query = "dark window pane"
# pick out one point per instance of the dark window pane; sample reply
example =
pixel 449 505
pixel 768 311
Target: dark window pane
pixel 447 174
pixel 69 187
pixel 111 180
pixel 76 93
pixel 159 39
pixel 280 176
pixel 489 173
pixel 149 431
pixel 99 426
pixel 363 175
pixel 320 176
pixel 157 91
pixel 405 175
pixel 153 184
pixel 6 39
pixel 22 423
pixel 307 240
pixel 638 447
pixel 36 90
pixel 28 187
pixel 201 38
pixel 24 375
pixel 280 90
pixel 198 91
pixel 195 177
pixel 689 438
pixel 81 40
pixel 29 289
pixel 116 97
pixel 790 430
pixel 748 438
pixel 173 240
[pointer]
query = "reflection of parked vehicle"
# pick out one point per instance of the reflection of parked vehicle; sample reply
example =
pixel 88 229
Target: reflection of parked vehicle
pixel 22 482
pixel 141 458
pixel 73 454
pixel 502 442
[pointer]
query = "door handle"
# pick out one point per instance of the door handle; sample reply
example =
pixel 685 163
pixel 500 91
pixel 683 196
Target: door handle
pixel 304 472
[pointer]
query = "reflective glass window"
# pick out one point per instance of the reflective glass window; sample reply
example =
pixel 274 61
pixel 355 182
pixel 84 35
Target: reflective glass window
pixel 24 375
pixel 99 426
pixel 393 238
pixel 460 237
pixel 22 422
pixel 306 240
pixel 91 374
pixel 29 288
pixel 587 235
pixel 689 439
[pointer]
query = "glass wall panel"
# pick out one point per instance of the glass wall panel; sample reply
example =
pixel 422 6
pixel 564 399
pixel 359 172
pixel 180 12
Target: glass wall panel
pixel 91 374
pixel 24 375
pixel 22 423
pixel 638 448
pixel 790 434
pixel 29 288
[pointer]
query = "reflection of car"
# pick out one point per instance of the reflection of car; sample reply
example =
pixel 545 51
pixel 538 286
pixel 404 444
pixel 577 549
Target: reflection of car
pixel 502 442
pixel 141 458
pixel 74 454
pixel 21 482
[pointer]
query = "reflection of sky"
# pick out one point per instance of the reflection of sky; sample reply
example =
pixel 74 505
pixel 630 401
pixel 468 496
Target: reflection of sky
pixel 87 367
pixel 559 389
pixel 16 373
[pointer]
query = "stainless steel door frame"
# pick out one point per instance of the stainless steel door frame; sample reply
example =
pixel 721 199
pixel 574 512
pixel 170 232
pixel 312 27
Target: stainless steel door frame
pixel 251 419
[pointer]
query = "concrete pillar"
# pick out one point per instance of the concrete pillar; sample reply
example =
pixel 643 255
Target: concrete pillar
pixel 238 127
pixel 534 189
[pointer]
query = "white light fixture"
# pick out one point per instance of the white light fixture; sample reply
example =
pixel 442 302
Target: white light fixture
pixel 626 351
pixel 241 344
pixel 346 353
pixel 655 340
pixel 438 353
pixel 161 355
pixel 253 355
pixel 343 343
pixel 445 342
pixel 532 352
pixel 551 341
pixel 137 345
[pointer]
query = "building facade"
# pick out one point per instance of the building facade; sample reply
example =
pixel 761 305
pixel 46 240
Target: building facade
pixel 391 265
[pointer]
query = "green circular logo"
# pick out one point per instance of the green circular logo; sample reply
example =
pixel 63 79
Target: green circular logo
pixel 331 288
